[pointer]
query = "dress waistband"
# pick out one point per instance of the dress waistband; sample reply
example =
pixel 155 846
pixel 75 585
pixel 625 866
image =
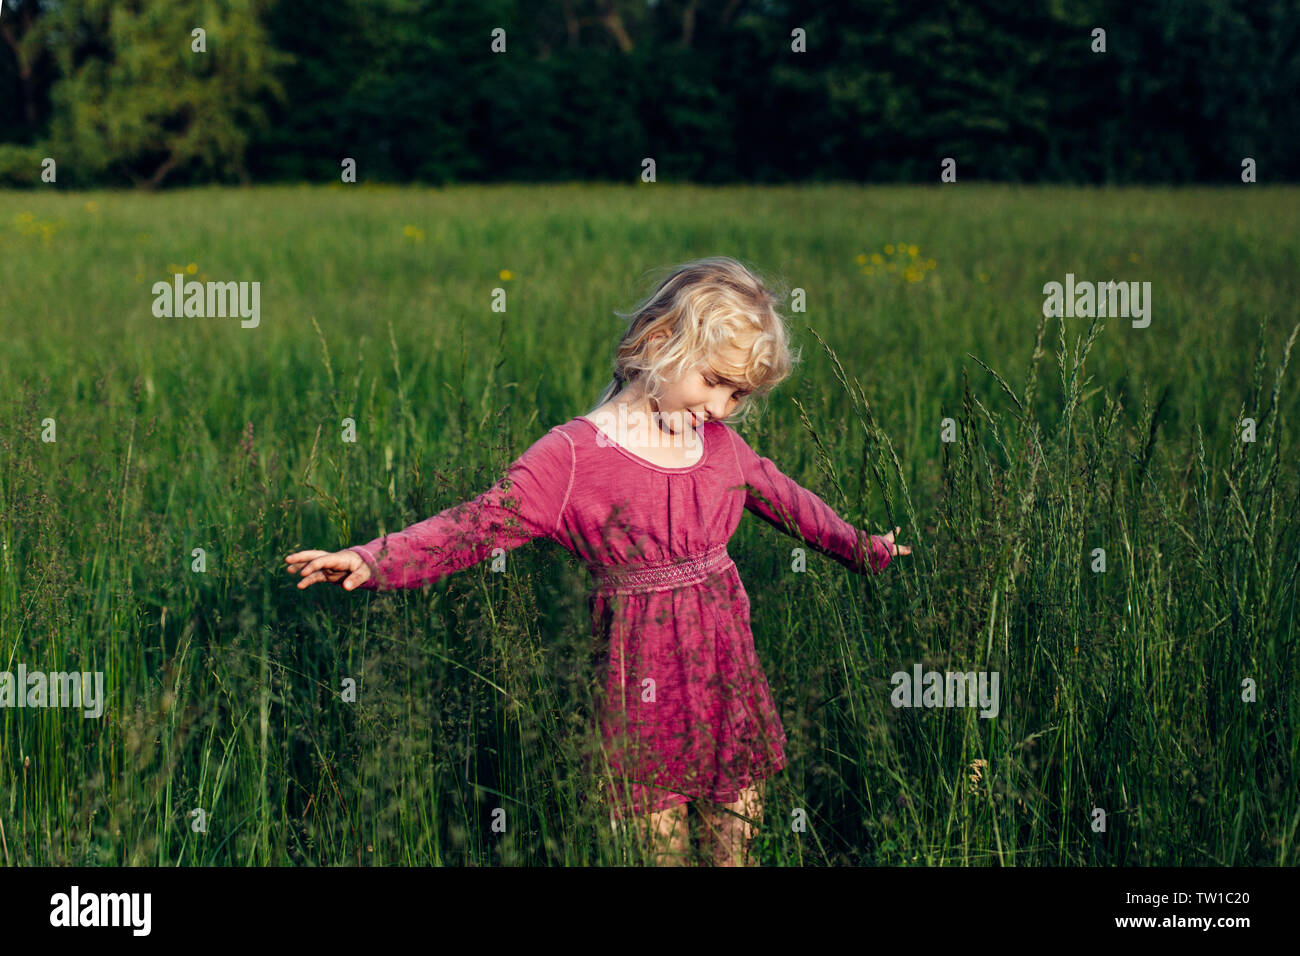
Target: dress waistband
pixel 662 576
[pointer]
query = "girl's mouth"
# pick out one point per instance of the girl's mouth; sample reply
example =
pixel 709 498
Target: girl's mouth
pixel 666 427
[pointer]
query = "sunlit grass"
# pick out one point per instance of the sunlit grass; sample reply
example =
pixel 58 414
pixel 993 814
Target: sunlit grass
pixel 1120 690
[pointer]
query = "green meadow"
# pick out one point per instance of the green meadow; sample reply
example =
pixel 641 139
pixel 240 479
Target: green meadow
pixel 1158 696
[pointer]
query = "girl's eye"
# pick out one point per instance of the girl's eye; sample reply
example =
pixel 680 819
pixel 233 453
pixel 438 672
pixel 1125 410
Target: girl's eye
pixel 716 384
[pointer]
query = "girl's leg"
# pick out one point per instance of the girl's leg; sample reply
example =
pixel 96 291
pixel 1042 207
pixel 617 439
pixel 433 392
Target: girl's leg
pixel 668 833
pixel 729 836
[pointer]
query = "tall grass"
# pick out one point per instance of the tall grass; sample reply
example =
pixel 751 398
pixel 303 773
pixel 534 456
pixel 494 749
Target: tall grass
pixel 1121 691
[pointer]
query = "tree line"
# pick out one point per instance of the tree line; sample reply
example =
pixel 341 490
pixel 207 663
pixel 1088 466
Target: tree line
pixel 170 92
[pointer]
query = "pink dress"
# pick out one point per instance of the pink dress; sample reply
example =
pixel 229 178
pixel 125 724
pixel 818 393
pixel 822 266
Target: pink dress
pixel 686 711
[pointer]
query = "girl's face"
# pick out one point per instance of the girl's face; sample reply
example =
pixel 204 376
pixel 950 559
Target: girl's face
pixel 704 393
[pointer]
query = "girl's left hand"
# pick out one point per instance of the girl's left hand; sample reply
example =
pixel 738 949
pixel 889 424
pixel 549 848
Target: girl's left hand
pixel 895 548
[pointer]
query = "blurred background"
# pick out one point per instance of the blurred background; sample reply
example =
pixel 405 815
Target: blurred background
pixel 586 88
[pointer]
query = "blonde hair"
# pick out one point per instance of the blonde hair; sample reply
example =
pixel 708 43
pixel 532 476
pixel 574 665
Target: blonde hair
pixel 702 307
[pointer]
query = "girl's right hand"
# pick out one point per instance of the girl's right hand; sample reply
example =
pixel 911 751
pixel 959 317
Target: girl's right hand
pixel 345 566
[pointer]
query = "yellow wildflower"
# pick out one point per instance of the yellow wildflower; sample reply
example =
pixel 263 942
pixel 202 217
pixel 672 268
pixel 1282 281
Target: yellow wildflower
pixel 877 258
pixel 191 268
pixel 860 259
pixel 889 249
pixel 507 275
pixel 913 250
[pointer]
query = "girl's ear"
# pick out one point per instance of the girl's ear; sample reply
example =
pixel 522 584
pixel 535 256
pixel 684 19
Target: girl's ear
pixel 656 342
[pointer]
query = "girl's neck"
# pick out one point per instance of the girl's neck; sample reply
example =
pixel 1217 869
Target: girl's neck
pixel 637 402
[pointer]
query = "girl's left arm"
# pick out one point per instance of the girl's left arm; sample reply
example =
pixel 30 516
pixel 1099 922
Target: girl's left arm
pixel 791 508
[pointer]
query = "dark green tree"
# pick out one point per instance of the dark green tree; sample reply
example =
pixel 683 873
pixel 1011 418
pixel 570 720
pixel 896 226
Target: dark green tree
pixel 141 103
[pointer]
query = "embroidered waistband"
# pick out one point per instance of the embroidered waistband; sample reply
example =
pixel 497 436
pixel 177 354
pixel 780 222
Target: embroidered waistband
pixel 661 576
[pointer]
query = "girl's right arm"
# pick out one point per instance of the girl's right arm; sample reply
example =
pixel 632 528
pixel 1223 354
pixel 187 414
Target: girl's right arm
pixel 527 503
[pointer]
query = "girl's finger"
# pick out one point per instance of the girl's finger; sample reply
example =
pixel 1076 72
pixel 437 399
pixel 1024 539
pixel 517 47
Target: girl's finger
pixel 316 565
pixel 300 556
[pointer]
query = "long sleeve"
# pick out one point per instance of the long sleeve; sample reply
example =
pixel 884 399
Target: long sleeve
pixel 527 503
pixel 780 500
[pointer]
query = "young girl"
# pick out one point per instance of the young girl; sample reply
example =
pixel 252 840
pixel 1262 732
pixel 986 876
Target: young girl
pixel 647 489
